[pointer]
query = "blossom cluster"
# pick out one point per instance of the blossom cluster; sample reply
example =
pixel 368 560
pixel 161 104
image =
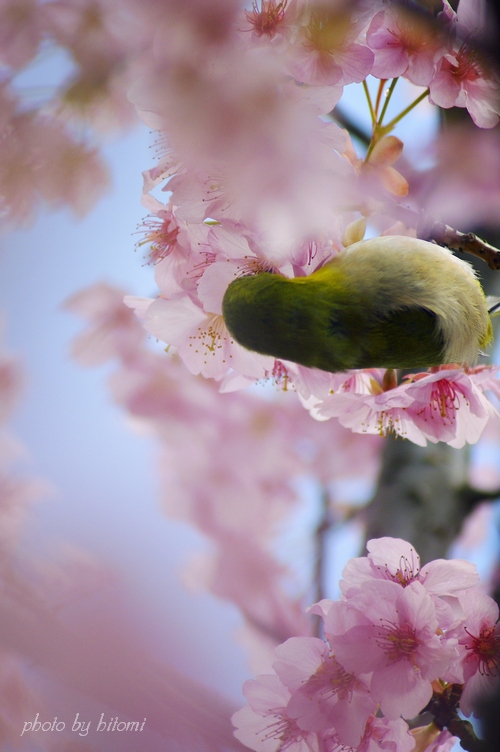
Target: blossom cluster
pixel 48 616
pixel 47 152
pixel 230 465
pixel 271 184
pixel 399 634
pixel 231 88
pixel 17 494
pixel 448 404
pixel 260 178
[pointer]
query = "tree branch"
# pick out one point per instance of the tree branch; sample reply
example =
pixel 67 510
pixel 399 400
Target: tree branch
pixel 320 542
pixel 465 242
pixel 443 707
pixel 419 496
pixel 345 121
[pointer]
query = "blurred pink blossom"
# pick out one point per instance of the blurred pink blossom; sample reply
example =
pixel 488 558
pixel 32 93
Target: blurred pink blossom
pixel 273 20
pixel 327 50
pixel 464 191
pixel 463 78
pixel 403 44
pixel 22 28
pixel 114 330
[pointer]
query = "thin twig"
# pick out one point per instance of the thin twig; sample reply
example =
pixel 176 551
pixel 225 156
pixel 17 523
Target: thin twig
pixel 389 127
pixel 320 540
pixel 369 100
pixel 428 229
pixel 465 732
pixel 443 707
pixel 353 128
pixel 465 242
pixel 387 99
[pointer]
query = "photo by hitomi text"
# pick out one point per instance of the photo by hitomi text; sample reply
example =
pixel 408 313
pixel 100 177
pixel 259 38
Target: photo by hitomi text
pixel 82 727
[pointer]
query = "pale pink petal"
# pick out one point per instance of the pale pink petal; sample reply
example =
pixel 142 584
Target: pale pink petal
pixel 173 321
pixel 298 659
pixel 442 577
pixel 21 31
pixel 400 692
pixel 214 283
pixel 395 557
pixel 138 305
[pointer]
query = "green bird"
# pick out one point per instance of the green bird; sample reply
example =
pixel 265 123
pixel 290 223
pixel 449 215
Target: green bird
pixel 387 302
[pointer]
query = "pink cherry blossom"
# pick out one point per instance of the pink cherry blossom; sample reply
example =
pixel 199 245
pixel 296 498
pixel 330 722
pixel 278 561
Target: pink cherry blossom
pixel 446 405
pixel 264 725
pixel 201 336
pixel 169 163
pixel 17 497
pixel 463 78
pixel 404 45
pixel 479 645
pixel 102 36
pixel 396 560
pixel 396 638
pixel 17 493
pixel 200 194
pixel 201 23
pixel 323 693
pixel 484 378
pixel 161 234
pixel 299 197
pixel 450 407
pixel 327 51
pixel 179 251
pixel 259 179
pixel 376 412
pixel 272 20
pixel 114 331
pixel 459 82
pixel 383 733
pixel 19 197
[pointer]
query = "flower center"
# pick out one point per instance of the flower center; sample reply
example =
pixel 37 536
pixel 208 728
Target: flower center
pixel 210 337
pixel 331 679
pixel 280 375
pixel 444 400
pixel 486 648
pixel 398 641
pixel 327 31
pixel 285 730
pixel 161 234
pixel 267 18
pixel 468 68
pixel 406 573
